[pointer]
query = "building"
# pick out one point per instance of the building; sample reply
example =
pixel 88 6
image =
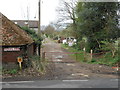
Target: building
pixel 32 24
pixel 15 42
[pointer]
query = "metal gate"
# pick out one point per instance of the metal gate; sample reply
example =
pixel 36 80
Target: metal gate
pixel 60 57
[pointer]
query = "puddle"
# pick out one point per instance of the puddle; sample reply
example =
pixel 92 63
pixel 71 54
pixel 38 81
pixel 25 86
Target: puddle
pixel 70 64
pixel 59 57
pixel 57 60
pixel 53 55
pixel 56 51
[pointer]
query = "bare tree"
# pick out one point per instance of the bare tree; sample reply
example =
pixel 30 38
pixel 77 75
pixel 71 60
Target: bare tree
pixel 49 30
pixel 66 11
pixel 67 14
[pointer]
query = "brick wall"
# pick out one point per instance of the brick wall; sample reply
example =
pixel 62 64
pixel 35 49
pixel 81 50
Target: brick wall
pixel 11 56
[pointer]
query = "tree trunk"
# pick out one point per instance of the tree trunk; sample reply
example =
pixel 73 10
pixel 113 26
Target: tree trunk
pixel 113 53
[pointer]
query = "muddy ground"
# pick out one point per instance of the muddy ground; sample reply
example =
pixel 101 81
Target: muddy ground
pixel 65 67
pixel 60 66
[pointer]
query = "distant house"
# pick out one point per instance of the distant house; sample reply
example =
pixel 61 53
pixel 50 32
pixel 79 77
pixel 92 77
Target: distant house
pixel 15 42
pixel 32 24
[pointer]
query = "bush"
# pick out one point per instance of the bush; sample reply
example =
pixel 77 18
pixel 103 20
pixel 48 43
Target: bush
pixel 107 59
pixel 32 33
pixel 112 47
pixel 80 45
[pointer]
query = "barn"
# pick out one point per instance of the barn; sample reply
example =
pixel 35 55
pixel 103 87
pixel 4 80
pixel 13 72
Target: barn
pixel 15 42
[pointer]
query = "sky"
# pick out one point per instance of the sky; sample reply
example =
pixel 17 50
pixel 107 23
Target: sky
pixel 22 9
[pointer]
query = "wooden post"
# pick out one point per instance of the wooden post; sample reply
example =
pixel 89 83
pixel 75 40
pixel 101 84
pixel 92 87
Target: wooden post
pixel 39 24
pixel 76 56
pixel 20 65
pixel 91 52
pixel 39 16
pixel 43 56
pixel 84 49
pixel 84 53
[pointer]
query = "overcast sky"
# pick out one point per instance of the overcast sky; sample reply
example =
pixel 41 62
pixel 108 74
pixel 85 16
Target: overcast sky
pixel 17 9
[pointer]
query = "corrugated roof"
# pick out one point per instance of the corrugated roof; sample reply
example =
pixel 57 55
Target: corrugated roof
pixel 11 34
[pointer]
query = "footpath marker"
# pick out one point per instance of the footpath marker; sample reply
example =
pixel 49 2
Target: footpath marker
pixel 20 60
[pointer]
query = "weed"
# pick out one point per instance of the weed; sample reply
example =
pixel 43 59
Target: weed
pixel 37 64
pixel 11 71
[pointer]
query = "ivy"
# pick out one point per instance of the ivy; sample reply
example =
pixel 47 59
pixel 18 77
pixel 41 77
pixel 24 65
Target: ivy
pixel 37 38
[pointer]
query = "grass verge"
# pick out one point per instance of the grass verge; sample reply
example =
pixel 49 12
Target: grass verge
pixel 105 59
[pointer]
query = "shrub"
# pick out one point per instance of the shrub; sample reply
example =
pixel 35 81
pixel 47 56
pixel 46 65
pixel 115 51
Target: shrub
pixel 37 64
pixel 34 36
pixel 81 44
pixel 112 47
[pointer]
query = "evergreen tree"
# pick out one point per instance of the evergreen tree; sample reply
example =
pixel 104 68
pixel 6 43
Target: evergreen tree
pixel 97 21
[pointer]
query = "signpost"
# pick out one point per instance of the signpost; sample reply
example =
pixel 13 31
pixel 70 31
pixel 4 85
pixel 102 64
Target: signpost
pixel 20 60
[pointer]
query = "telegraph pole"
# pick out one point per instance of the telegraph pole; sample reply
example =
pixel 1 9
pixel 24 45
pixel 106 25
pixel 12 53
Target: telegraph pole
pixel 39 16
pixel 27 17
pixel 39 33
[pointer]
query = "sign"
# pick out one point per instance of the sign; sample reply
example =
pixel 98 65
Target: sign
pixel 12 49
pixel 19 59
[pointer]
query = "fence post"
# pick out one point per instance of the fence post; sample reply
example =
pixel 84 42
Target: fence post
pixel 84 53
pixel 76 56
pixel 43 56
pixel 91 52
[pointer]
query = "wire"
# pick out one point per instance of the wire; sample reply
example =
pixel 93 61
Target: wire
pixel 22 12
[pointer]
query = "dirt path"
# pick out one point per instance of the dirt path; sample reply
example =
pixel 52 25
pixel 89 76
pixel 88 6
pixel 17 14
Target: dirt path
pixel 61 66
pixel 65 68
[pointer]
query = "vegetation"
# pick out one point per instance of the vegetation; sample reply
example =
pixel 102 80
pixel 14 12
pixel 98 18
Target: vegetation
pixel 79 56
pixel 37 38
pixel 95 25
pixel 37 64
pixel 97 22
pixel 32 33
pixel 0 70
pixel 105 59
pixel 12 71
pixel 49 31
